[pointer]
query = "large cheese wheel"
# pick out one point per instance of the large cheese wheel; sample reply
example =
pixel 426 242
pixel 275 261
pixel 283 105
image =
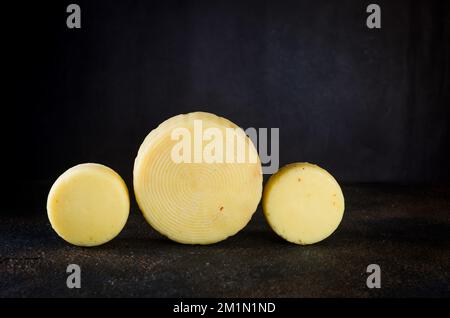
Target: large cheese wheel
pixel 303 203
pixel 196 202
pixel 88 204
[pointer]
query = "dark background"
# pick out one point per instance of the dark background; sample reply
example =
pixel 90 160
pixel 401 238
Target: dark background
pixel 367 105
pixel 370 106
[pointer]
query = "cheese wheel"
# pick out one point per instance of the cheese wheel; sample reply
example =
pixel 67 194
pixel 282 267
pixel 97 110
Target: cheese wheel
pixel 88 205
pixel 197 201
pixel 303 203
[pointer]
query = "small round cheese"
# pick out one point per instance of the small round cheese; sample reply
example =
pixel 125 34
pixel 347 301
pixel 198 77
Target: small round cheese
pixel 303 203
pixel 88 205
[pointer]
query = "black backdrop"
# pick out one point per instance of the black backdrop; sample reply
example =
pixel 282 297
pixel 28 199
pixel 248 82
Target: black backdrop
pixel 368 105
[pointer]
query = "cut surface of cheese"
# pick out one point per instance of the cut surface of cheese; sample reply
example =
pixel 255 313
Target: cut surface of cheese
pixel 197 201
pixel 303 203
pixel 88 205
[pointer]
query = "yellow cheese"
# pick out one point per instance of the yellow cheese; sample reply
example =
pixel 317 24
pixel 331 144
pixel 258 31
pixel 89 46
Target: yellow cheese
pixel 303 203
pixel 88 205
pixel 200 201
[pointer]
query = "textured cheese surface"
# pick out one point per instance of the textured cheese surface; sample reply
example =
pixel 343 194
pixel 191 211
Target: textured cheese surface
pixel 195 203
pixel 88 205
pixel 303 203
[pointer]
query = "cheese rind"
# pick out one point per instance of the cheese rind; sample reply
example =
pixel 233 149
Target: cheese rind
pixel 88 205
pixel 195 203
pixel 303 203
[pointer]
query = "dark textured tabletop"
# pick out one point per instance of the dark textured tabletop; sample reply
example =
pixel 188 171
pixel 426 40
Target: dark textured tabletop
pixel 403 229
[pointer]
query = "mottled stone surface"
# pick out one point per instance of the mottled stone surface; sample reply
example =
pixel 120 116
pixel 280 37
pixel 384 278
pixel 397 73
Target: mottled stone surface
pixel 406 230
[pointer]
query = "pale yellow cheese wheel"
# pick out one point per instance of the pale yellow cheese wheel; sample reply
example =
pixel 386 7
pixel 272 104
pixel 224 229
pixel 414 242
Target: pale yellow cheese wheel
pixel 195 203
pixel 303 203
pixel 88 205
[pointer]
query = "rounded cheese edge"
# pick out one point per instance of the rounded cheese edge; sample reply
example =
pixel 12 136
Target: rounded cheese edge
pixel 66 174
pixel 152 137
pixel 276 178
